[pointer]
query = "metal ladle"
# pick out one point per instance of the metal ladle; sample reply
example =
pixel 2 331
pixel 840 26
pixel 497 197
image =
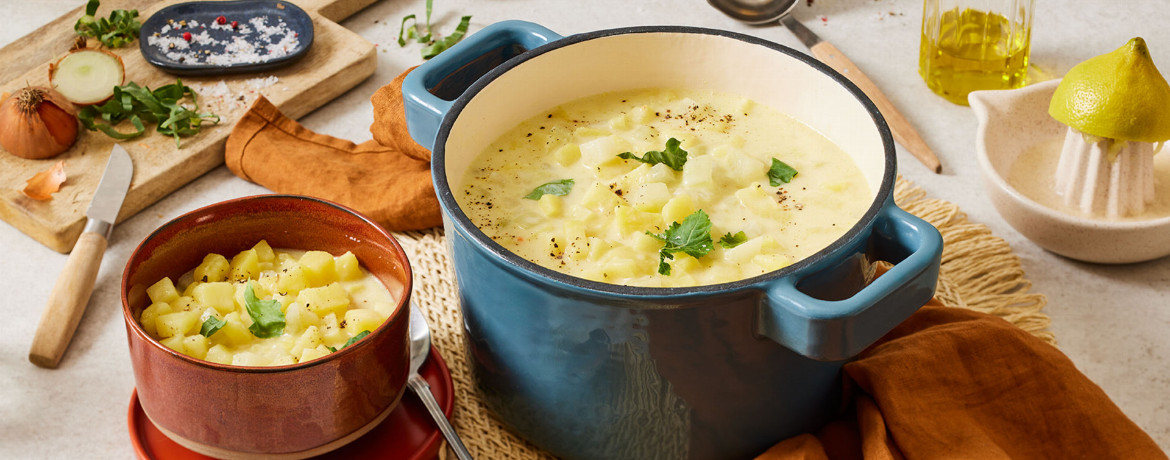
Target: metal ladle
pixel 758 12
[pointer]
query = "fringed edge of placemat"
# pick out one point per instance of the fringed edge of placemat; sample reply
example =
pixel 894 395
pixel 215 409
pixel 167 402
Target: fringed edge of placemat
pixel 979 271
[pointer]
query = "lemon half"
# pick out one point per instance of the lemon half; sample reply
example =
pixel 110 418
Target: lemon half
pixel 1119 95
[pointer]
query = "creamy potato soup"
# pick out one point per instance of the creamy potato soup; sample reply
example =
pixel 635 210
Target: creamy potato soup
pixel 267 307
pixel 664 188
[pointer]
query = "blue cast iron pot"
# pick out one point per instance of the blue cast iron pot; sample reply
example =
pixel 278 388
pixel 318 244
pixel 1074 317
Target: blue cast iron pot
pixel 589 370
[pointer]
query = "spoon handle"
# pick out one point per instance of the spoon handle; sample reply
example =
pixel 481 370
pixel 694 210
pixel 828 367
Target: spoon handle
pixel 423 390
pixel 903 132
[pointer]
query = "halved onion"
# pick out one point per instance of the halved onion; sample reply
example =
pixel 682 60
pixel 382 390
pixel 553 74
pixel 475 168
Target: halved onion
pixel 87 76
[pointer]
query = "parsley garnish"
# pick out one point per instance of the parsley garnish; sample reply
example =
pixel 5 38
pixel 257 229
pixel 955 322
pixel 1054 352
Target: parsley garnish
pixel 433 45
pixel 730 241
pixel 139 104
pixel 351 341
pixel 692 236
pixel 780 173
pixel 267 319
pixel 211 325
pixel 119 29
pixel 671 156
pixel 558 188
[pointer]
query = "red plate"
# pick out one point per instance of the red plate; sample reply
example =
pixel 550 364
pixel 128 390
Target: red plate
pixel 408 433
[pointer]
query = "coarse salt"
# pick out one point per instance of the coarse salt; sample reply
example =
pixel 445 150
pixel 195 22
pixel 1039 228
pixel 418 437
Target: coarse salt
pixel 224 45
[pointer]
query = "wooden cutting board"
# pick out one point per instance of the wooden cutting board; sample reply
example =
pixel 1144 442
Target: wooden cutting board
pixel 337 61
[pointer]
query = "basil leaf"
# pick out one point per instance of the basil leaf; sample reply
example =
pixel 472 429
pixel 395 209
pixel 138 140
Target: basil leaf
pixel 441 45
pixel 211 325
pixel 780 173
pixel 672 156
pixel 120 28
pixel 730 241
pixel 351 341
pixel 432 44
pixel 692 236
pixel 267 319
pixel 559 188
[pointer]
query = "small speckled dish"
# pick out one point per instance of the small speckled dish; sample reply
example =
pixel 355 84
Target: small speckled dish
pixel 1010 123
pixel 266 35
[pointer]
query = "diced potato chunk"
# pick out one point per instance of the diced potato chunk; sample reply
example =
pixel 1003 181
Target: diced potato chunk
pixel 567 154
pixel 292 280
pixel 319 268
pixel 678 208
pixel 264 252
pixel 162 291
pixel 599 197
pixel 219 354
pixel 550 205
pixel 310 354
pixel 758 201
pixel 307 340
pixel 698 170
pixel 150 314
pixel 324 300
pixel 331 331
pixel 298 318
pixel 213 268
pixel 174 342
pixel 196 346
pixel 603 151
pixel 359 320
pixel 649 197
pixel 234 331
pixel 177 324
pixel 347 267
pixel 620 123
pixel 759 245
pixel 245 266
pixel 219 295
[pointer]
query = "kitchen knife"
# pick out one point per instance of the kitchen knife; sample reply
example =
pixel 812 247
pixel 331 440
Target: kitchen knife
pixel 70 295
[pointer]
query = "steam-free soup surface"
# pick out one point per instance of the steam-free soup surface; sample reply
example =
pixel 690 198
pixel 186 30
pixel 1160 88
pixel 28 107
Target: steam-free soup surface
pixel 601 226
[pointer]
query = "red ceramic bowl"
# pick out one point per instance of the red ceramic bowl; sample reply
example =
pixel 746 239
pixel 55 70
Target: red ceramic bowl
pixel 291 411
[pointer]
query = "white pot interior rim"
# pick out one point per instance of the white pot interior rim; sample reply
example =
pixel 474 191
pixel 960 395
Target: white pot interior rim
pixel 642 57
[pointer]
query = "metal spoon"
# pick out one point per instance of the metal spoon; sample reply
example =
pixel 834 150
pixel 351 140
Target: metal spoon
pixel 764 11
pixel 420 347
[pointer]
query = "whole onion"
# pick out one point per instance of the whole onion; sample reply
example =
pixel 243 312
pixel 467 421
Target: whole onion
pixel 37 122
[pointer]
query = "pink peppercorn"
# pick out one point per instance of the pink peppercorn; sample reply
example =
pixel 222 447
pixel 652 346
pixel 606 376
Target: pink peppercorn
pixel 187 36
pixel 235 24
pixel 221 20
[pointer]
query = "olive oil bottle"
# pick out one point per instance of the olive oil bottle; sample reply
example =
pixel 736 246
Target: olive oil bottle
pixel 964 49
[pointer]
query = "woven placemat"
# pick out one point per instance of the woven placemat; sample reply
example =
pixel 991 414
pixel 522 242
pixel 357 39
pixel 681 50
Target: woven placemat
pixel 979 271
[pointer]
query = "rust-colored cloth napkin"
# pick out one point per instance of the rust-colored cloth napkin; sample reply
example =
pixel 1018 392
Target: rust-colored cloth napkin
pixel 951 383
pixel 387 178
pixel 947 383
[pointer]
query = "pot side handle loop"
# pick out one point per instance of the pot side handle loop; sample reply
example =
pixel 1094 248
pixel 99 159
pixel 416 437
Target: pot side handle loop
pixel 834 330
pixel 430 89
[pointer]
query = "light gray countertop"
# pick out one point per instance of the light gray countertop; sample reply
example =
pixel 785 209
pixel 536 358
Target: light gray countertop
pixel 1112 321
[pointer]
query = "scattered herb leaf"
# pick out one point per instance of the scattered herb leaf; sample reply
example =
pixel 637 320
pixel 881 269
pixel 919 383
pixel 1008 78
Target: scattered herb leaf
pixel 267 319
pixel 559 188
pixel 211 325
pixel 351 341
pixel 780 172
pixel 432 45
pixel 140 105
pixel 692 236
pixel 672 155
pixel 730 241
pixel 120 28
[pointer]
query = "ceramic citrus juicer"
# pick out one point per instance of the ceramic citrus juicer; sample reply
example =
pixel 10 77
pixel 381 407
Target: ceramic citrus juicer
pixel 1116 107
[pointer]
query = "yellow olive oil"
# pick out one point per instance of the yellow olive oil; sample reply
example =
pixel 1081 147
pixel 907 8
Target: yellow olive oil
pixel 970 50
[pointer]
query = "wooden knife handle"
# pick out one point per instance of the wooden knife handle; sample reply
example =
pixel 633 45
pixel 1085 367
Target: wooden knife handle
pixel 67 300
pixel 899 126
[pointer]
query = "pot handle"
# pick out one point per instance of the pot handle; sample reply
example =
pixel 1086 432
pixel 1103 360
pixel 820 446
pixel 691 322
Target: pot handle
pixel 465 62
pixel 834 330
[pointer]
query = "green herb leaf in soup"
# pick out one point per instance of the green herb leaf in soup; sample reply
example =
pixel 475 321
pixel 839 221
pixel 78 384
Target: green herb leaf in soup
pixel 211 325
pixel 730 241
pixel 672 156
pixel 267 319
pixel 558 188
pixel 780 173
pixel 692 236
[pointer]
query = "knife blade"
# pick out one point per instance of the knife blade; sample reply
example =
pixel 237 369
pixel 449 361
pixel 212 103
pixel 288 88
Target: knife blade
pixel 70 294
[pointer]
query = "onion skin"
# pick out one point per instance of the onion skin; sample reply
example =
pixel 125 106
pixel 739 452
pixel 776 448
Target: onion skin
pixel 37 123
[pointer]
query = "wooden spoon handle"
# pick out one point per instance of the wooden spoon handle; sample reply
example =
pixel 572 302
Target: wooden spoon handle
pixel 899 126
pixel 67 300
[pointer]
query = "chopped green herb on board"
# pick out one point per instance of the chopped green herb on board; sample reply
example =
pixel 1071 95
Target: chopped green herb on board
pixel 780 173
pixel 267 319
pixel 432 44
pixel 140 105
pixel 730 241
pixel 672 155
pixel 119 29
pixel 558 188
pixel 692 236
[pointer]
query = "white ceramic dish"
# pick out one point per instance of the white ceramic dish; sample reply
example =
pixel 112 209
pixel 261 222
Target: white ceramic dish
pixel 1010 123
